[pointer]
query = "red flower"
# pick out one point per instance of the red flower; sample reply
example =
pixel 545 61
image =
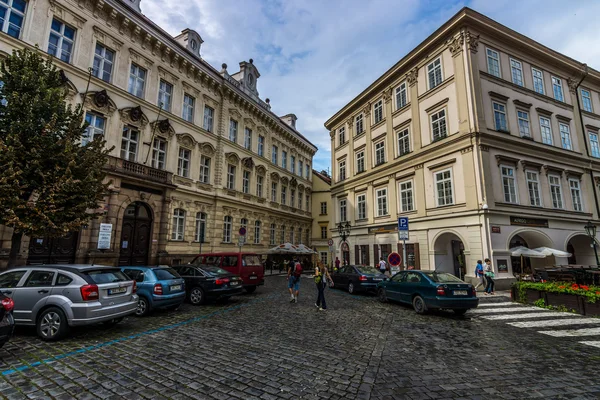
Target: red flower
pixel 584 287
pixel 562 287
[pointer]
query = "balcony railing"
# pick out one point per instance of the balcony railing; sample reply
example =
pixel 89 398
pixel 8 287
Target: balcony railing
pixel 141 171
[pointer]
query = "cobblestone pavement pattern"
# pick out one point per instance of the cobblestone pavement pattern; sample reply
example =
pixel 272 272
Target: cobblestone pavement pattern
pixel 262 347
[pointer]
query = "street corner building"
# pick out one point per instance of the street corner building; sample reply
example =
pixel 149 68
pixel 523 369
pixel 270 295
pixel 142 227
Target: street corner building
pixel 197 153
pixel 484 139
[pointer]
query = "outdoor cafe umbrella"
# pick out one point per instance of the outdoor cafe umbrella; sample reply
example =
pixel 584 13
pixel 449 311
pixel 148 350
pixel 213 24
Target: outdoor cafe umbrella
pixel 285 248
pixel 522 251
pixel 548 251
pixel 305 249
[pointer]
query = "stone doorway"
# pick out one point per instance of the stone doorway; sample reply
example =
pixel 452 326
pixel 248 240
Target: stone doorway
pixel 136 234
pixel 47 250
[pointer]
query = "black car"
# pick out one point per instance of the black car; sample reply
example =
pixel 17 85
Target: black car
pixel 204 282
pixel 358 278
pixel 7 323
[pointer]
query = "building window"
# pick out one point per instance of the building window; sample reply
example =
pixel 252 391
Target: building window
pixel 292 235
pixel 493 61
pixel 95 128
pixel 300 167
pixel 283 194
pixel 546 130
pixel 434 73
pixel 248 138
pixel 342 135
pixel 103 63
pixel 300 200
pixel 283 159
pixel 204 169
pixel 230 177
pixel 274 191
pixel 538 80
pixel 555 191
pixel 200 227
pixel 300 235
pixel 178 224
pixel 293 164
pixel 516 69
pixel 159 153
pixel 343 211
pixel 272 234
pixel 165 95
pixel 209 114
pixel 403 142
pixel 565 136
pixel 246 181
pixel 227 225
pixel 361 205
pixel 13 14
pixel 323 208
pixel 233 126
pixel 137 80
pixel 129 143
pixel 401 98
pixel 576 194
pixel 359 124
pixel 594 145
pixel 379 153
pixel 261 145
pixel 274 151
pixel 381 196
pixel 438 125
pixel 307 170
pixel 443 184
pixel 508 184
pixel 259 186
pixel 188 107
pixel 60 44
pixel 307 203
pixel 500 117
pixel 360 161
pixel 533 186
pixel 323 257
pixel 557 88
pixel 342 170
pixel 586 100
pixel 183 165
pixel 256 232
pixel 292 197
pixel 406 196
pixel 378 111
pixel 523 118
pixel 323 232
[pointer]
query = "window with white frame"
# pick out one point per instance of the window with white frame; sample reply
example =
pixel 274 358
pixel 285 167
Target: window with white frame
pixel 248 138
pixel 95 128
pixel 406 196
pixel 323 232
pixel 360 127
pixel 500 117
pixel 565 136
pixel 292 197
pixel 403 142
pixel 438 125
pixel 382 205
pixel 434 73
pixel 509 185
pixel 586 100
pixel 256 232
pixel 533 187
pixel 342 135
pixel 323 256
pixel 183 164
pixel 379 153
pixel 283 159
pixel 246 181
pixel 259 185
pixel 189 103
pixel 233 128
pixel 200 227
pixel 401 96
pixel 574 184
pixel 493 62
pixel 243 223
pixel 443 184
pixel 159 153
pixel 261 145
pixel 227 227
pixel 12 16
pixel 103 62
pixel 274 191
pixel 293 164
pixel 538 80
pixel 555 191
pixel 594 144
pixel 283 194
pixel 137 80
pixel 272 235
pixel 342 170
pixel 178 224
pixel 523 118
pixel 378 111
pixel 546 130
pixel 323 208
pixel 209 115
pixel 165 95
pixel 307 171
pixel 343 211
pixel 274 152
pixel 60 43
pixel 230 177
pixel 360 161
pixel 129 143
pixel 361 206
pixel 557 88
pixel 204 169
pixel 516 69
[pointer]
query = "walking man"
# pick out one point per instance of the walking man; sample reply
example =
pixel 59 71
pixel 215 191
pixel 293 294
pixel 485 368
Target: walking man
pixel 294 272
pixel 479 274
pixel 382 265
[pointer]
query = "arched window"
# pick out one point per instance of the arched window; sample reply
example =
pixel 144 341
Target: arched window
pixel 227 224
pixel 178 224
pixel 200 227
pixel 256 232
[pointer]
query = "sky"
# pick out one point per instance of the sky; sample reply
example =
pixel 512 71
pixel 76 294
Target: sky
pixel 315 56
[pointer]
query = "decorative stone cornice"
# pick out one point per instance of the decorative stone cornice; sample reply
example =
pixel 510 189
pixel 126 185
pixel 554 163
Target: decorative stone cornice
pixel 134 116
pixel 572 83
pixel 138 58
pixel 207 149
pixel 99 101
pixel 232 158
pixel 412 75
pixel 455 44
pixel 106 38
pixel 163 127
pixel 186 140
pixel 163 73
pixel 472 41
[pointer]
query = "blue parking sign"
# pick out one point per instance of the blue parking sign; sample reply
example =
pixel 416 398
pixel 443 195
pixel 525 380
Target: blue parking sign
pixel 403 224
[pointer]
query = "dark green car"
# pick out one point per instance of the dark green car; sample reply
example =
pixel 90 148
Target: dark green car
pixel 429 290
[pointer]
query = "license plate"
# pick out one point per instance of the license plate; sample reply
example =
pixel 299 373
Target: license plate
pixel 175 287
pixel 377 279
pixel 234 283
pixel 254 277
pixel 460 292
pixel 117 291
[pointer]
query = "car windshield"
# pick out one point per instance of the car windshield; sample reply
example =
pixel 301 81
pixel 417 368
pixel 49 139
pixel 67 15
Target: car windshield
pixel 107 276
pixel 165 273
pixel 214 271
pixel 442 277
pixel 251 261
pixel 365 269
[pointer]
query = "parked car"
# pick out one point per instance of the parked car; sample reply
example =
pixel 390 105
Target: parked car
pixel 56 297
pixel 7 322
pixel 246 265
pixel 428 290
pixel 207 282
pixel 158 287
pixel 357 278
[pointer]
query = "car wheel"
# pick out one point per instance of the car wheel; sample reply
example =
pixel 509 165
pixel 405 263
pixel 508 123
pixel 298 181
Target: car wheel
pixel 143 307
pixel 113 321
pixel 381 295
pixel 351 288
pixel 251 289
pixel 460 312
pixel 52 324
pixel 419 305
pixel 197 296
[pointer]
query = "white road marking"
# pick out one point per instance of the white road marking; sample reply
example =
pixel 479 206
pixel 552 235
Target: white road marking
pixel 573 332
pixel 529 315
pixel 505 310
pixel 555 322
pixel 592 343
pixel 497 304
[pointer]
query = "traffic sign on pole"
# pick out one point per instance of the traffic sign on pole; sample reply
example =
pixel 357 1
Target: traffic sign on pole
pixel 402 224
pixel 242 231
pixel 394 259
pixel 330 242
pixel 403 235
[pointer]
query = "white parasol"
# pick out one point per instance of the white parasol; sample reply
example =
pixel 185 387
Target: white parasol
pixel 305 249
pixel 548 251
pixel 285 248
pixel 525 252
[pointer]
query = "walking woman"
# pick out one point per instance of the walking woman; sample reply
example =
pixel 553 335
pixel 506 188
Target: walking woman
pixel 489 277
pixel 321 278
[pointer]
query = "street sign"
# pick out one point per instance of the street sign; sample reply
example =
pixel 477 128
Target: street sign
pixel 330 242
pixel 402 235
pixel 403 224
pixel 104 236
pixel 394 259
pixel 241 241
pixel 331 249
pixel 242 231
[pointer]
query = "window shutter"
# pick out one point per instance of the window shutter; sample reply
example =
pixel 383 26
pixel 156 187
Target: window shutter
pixel 417 258
pixel 376 252
pixel 356 254
pixel 367 259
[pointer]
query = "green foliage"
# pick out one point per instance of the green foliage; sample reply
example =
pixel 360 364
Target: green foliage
pixel 591 293
pixel 540 303
pixel 49 183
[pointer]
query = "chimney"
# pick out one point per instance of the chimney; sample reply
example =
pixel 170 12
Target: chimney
pixel 290 119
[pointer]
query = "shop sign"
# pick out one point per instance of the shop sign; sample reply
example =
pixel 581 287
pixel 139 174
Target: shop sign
pixel 542 223
pixel 496 229
pixel 383 229
pixel 502 266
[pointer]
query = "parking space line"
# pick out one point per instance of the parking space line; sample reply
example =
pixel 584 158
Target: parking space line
pixel 528 315
pixel 504 310
pixel 573 332
pixel 555 322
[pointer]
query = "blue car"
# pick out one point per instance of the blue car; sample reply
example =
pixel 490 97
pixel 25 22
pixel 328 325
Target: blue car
pixel 429 290
pixel 157 287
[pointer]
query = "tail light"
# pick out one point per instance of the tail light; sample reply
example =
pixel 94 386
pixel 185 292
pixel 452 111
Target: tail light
pixel 8 304
pixel 221 281
pixel 474 290
pixel 134 290
pixel 158 289
pixel 441 291
pixel 362 278
pixel 90 292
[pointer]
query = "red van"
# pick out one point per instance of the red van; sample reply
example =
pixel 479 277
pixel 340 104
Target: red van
pixel 247 265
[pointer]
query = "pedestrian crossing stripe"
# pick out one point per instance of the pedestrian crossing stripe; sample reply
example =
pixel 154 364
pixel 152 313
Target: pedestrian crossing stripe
pixel 573 332
pixel 528 315
pixel 504 304
pixel 555 322
pixel 505 310
pixel 594 343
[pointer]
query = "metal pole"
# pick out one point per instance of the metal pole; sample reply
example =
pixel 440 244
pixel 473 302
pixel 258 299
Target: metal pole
pixel 404 253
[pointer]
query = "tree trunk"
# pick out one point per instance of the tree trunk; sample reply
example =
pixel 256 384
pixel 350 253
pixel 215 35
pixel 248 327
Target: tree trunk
pixel 15 246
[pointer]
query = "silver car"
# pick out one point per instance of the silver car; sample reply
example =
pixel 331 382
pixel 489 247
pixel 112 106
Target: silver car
pixel 56 297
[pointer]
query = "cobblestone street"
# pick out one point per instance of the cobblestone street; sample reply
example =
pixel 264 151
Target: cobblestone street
pixel 262 347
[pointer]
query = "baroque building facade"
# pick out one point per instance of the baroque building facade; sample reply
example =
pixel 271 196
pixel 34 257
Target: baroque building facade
pixel 197 154
pixel 321 209
pixel 485 139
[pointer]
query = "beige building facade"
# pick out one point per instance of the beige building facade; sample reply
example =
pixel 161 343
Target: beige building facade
pixel 197 153
pixel 321 209
pixel 476 136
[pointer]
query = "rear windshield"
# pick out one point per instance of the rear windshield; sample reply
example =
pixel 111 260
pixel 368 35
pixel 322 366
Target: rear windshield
pixel 210 260
pixel 367 270
pixel 251 261
pixel 442 277
pixel 165 273
pixel 107 276
pixel 214 271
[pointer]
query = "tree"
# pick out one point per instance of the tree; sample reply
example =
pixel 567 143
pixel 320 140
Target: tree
pixel 50 183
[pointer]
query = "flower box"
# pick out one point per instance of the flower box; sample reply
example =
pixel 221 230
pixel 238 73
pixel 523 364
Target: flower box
pixel 571 301
pixel 532 295
pixel 592 309
pixel 582 299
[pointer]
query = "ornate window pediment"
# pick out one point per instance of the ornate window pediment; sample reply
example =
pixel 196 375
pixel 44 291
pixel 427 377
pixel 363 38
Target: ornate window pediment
pixel 100 102
pixel 70 88
pixel 186 140
pixel 275 176
pixel 134 116
pixel 207 149
pixel 261 170
pixel 163 127
pixel 284 180
pixel 262 129
pixel 234 113
pixel 232 158
pixel 249 122
pixel 301 187
pixel 248 162
pixel 293 182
